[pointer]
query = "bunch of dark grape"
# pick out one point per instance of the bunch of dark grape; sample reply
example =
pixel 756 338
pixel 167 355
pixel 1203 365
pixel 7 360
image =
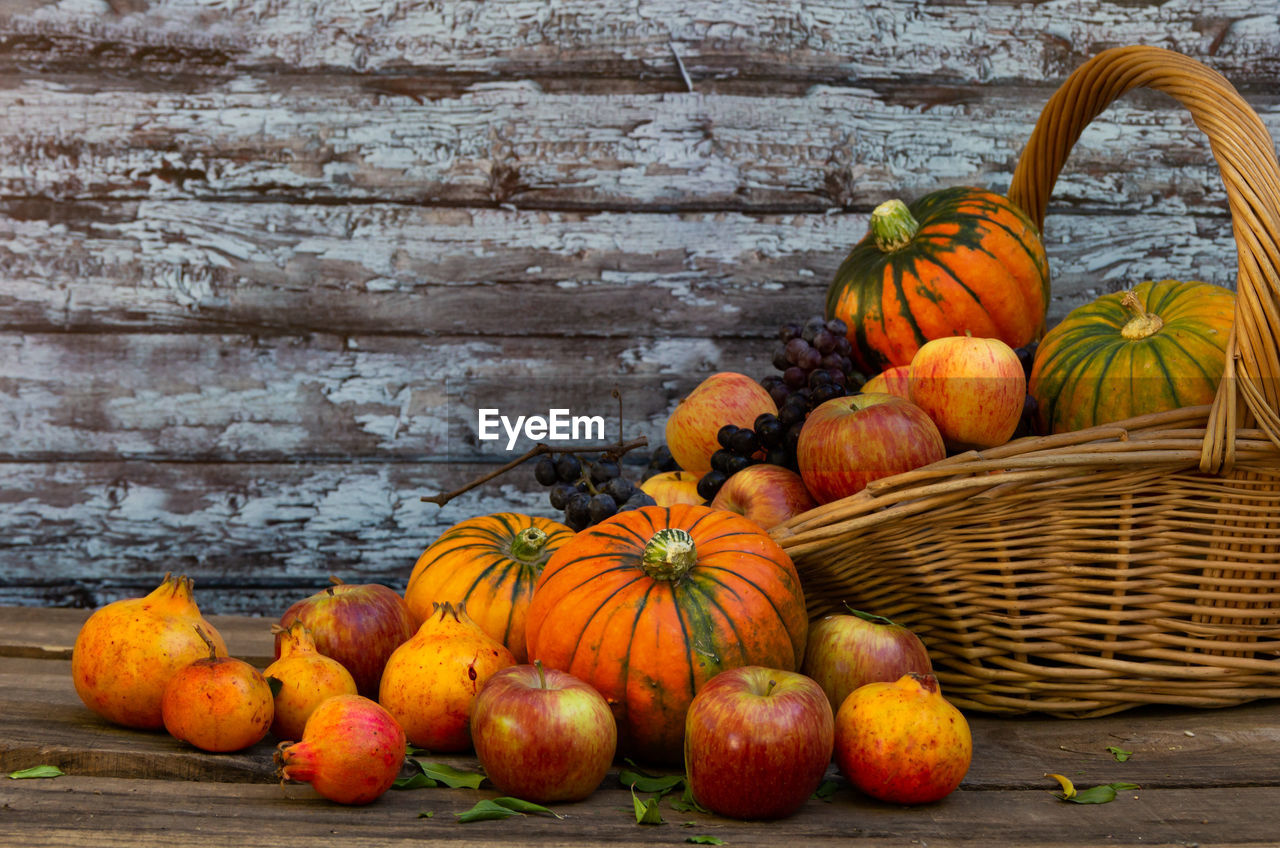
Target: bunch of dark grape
pixel 816 367
pixel 741 447
pixel 588 491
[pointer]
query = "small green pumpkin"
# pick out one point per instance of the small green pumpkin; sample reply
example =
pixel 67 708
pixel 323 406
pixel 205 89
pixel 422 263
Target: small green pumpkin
pixel 1158 347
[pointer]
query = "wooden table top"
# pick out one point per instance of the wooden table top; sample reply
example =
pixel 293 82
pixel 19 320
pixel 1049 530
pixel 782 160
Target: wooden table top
pixel 1206 777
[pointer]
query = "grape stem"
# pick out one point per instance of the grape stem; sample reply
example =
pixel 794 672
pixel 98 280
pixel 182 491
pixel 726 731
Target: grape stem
pixel 614 451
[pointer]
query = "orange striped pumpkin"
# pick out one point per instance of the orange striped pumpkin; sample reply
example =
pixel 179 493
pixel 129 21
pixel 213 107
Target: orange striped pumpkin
pixel 490 563
pixel 650 604
pixel 959 260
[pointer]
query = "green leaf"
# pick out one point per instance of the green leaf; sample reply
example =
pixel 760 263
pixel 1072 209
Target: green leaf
pixel 642 782
pixel 36 771
pixel 826 789
pixel 275 684
pixel 487 810
pixel 1120 754
pixel 647 812
pixel 417 781
pixel 505 807
pixel 452 777
pixel 522 806
pixel 426 814
pixel 411 751
pixel 1100 794
pixel 687 803
pixel 705 840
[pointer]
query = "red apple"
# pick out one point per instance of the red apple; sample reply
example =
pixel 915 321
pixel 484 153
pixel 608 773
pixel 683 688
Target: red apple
pixel 542 734
pixel 757 742
pixel 672 487
pixel 974 389
pixel 847 651
pixel 723 398
pixel 766 494
pixel 847 442
pixel 891 381
pixel 359 625
pixel 902 741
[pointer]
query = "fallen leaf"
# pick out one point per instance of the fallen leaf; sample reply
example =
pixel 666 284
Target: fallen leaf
pixel 1103 794
pixel 1068 788
pixel 647 812
pixel 36 771
pixel 501 808
pixel 1120 754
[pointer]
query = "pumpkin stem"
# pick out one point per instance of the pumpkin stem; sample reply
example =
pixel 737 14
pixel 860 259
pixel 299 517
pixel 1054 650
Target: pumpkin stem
pixel 1143 323
pixel 527 545
pixel 669 554
pixel 892 226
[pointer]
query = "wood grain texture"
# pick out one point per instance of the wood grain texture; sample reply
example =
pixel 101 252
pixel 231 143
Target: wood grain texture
pixel 342 138
pixel 574 38
pixel 203 266
pixel 260 262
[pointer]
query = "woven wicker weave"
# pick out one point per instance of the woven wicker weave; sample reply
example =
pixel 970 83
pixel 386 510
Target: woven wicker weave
pixel 1136 563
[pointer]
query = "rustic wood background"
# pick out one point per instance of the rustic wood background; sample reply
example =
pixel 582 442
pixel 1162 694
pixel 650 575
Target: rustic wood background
pixel 260 260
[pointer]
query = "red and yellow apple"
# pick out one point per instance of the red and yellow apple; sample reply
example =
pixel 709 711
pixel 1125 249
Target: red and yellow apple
pixel 723 398
pixel 891 381
pixel 669 488
pixel 766 494
pixel 902 741
pixel 974 389
pixel 359 625
pixel 757 742
pixel 844 652
pixel 542 734
pixel 848 442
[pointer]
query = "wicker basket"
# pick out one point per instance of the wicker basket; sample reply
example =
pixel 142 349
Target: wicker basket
pixel 1089 572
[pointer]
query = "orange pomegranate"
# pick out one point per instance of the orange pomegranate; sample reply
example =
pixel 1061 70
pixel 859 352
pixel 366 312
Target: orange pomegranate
pixel 902 741
pixel 218 703
pixel 306 678
pixel 430 681
pixel 127 651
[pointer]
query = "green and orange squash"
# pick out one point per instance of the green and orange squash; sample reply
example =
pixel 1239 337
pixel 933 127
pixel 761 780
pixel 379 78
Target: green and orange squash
pixel 490 563
pixel 649 605
pixel 1158 347
pixel 956 261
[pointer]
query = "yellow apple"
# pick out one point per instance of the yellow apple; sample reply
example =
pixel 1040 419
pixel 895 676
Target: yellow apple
pixel 974 389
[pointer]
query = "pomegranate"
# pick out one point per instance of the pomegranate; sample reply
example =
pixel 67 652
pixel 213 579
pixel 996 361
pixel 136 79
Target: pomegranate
pixel 351 751
pixel 127 651
pixel 306 678
pixel 431 680
pixel 902 741
pixel 217 703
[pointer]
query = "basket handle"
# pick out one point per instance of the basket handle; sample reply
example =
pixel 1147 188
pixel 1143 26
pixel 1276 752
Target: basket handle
pixel 1246 158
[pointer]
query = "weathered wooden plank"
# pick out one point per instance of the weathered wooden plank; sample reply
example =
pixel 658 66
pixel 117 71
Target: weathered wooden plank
pixel 105 811
pixel 198 396
pixel 336 138
pixel 574 39
pixel 254 536
pixel 275 267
